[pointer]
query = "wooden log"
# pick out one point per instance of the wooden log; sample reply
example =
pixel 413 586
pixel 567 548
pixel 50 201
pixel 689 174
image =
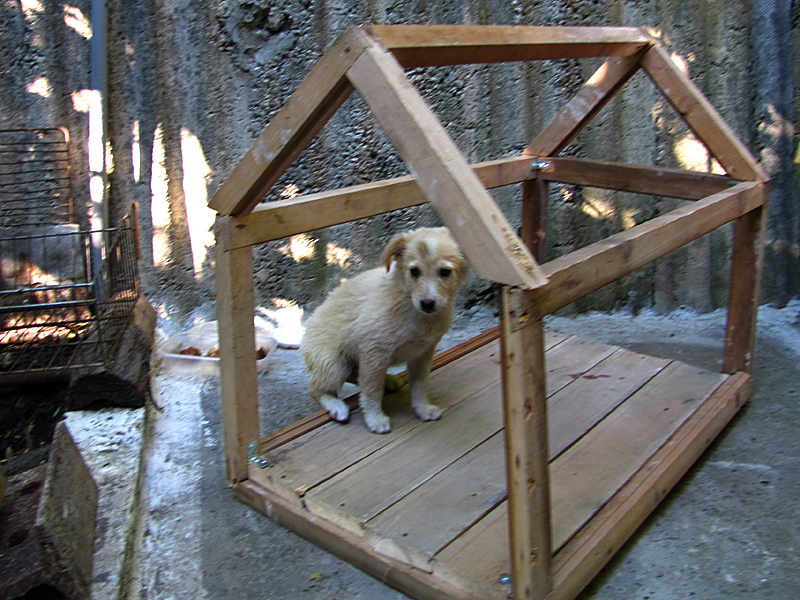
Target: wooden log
pixel 238 384
pixel 439 45
pixel 283 218
pixel 481 229
pixel 576 274
pixel 592 97
pixel 698 113
pixel 312 104
pixel 746 267
pixel 658 181
pixel 125 382
pixel 525 408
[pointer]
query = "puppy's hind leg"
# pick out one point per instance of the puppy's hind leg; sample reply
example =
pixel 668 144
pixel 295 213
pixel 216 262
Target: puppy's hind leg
pixel 324 387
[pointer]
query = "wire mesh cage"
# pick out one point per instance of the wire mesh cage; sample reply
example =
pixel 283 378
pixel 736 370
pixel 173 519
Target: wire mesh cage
pixel 54 315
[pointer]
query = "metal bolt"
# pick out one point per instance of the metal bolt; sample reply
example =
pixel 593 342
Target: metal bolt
pixel 252 456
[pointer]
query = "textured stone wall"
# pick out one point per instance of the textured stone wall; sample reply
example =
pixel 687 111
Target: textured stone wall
pixel 193 82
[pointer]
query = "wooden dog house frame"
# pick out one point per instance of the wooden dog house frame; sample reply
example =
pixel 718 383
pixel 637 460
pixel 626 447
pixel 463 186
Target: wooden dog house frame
pixel 548 528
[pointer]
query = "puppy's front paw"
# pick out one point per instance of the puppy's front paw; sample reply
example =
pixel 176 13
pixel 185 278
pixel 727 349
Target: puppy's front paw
pixel 428 412
pixel 378 422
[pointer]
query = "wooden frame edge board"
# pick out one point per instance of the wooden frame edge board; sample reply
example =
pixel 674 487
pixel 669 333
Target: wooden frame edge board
pixel 583 271
pixel 348 546
pixel 306 111
pixel 283 218
pixel 439 45
pixel 587 553
pixel 656 181
pixel 276 220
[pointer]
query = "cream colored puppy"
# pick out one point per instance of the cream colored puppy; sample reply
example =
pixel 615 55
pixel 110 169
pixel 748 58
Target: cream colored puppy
pixel 384 317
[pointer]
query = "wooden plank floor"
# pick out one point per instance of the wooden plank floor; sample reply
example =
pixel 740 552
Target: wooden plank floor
pixel 433 495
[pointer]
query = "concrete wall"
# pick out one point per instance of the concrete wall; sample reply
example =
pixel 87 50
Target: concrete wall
pixel 193 82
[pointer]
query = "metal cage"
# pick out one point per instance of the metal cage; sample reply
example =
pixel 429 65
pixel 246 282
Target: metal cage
pixel 54 316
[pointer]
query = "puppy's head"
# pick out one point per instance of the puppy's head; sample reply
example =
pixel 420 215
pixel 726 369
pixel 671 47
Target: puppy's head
pixel 430 265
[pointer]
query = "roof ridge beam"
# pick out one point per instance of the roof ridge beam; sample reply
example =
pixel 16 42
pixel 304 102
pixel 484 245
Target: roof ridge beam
pixel 440 45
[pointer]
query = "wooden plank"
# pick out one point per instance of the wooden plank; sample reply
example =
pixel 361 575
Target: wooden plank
pixel 364 490
pixel 312 104
pixel 434 514
pixel 594 391
pixel 589 551
pixel 438 45
pixel 658 181
pixel 482 231
pixel 441 584
pixel 576 274
pixel 440 510
pixel 701 116
pixel 600 476
pixel 592 97
pixel 238 383
pixel 743 296
pixel 437 512
pixel 283 218
pixel 297 464
pixel 320 418
pixel 594 469
pixel 526 433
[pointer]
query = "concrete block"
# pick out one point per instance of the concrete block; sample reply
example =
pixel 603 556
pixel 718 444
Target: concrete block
pixel 47 525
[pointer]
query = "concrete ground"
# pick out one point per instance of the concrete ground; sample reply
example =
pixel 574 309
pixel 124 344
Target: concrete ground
pixel 731 526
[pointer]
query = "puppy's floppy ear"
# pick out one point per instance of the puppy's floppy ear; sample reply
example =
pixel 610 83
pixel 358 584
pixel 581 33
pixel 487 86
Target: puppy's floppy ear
pixel 395 250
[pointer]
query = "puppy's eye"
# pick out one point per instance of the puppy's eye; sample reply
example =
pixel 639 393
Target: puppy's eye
pixel 414 272
pixel 445 272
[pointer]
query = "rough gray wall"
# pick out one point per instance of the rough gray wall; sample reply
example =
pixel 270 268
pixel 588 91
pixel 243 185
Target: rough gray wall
pixel 202 78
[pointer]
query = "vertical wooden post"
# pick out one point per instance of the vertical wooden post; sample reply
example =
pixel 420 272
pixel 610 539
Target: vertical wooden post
pixel 239 387
pixel 525 411
pixel 746 266
pixel 535 194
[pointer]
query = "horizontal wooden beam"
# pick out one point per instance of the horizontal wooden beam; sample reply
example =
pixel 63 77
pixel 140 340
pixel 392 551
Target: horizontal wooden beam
pixel 276 220
pixel 701 116
pixel 312 104
pixel 439 45
pixel 657 181
pixel 583 271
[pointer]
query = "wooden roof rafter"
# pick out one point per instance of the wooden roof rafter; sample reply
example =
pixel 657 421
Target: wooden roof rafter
pixel 371 60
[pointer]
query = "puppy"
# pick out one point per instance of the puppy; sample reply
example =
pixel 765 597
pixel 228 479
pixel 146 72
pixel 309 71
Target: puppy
pixel 384 317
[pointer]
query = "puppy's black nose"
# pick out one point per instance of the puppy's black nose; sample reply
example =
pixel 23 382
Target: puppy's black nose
pixel 427 306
